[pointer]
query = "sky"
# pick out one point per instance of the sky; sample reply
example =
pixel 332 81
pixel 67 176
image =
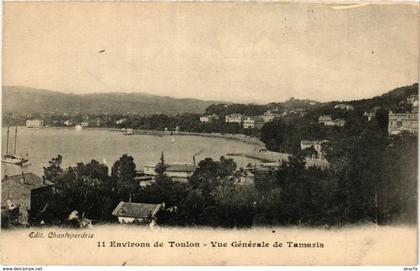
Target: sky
pixel 226 51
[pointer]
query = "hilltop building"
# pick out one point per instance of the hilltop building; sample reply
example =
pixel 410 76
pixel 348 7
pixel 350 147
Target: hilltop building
pixel 316 144
pixel 344 107
pixel 402 122
pixel 209 118
pixel 269 116
pixel 413 100
pixel 25 192
pixel 328 121
pixel 370 115
pixel 35 123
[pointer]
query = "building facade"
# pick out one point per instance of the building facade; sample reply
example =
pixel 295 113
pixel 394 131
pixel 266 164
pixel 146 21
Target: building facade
pixel 132 212
pixel 344 107
pixel 253 123
pixel 402 122
pixel 209 118
pixel 35 123
pixel 328 121
pixel 269 116
pixel 316 144
pixel 177 171
pixel 234 118
pixel 68 123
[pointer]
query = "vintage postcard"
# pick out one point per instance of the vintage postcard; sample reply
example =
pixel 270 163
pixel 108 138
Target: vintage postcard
pixel 209 133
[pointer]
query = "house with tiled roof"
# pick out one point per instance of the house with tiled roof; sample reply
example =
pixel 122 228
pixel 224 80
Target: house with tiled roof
pixel 133 212
pixel 26 191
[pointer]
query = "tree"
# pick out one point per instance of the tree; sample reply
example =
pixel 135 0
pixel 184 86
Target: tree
pixel 54 170
pixel 123 174
pixel 160 168
pixel 210 174
pixel 85 188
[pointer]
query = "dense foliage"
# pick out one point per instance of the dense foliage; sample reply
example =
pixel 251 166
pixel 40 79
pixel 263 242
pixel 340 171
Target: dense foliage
pixel 372 176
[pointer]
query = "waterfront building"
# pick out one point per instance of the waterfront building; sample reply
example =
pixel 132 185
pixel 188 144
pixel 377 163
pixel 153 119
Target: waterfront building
pixel 234 118
pixel 253 123
pixel 96 122
pixel 34 123
pixel 402 122
pixel 68 123
pixel 209 118
pixel 120 121
pixel 133 212
pixel 177 171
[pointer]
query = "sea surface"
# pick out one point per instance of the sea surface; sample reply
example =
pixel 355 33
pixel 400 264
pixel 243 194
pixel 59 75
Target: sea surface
pixel 106 146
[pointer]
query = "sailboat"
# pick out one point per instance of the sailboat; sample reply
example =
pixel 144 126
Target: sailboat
pixel 13 158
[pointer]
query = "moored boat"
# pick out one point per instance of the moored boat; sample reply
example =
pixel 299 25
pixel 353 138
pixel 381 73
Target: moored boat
pixel 13 158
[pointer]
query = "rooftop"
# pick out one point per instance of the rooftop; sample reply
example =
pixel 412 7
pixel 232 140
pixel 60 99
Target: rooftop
pixel 136 210
pixel 175 167
pixel 181 168
pixel 28 180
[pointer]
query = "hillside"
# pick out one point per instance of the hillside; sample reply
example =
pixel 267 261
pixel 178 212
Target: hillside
pixel 30 100
pixel 388 101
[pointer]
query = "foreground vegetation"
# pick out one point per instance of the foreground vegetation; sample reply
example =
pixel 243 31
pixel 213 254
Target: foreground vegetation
pixel 370 180
pixel 372 177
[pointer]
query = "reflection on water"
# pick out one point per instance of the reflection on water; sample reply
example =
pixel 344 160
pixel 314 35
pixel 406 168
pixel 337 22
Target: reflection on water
pixel 107 146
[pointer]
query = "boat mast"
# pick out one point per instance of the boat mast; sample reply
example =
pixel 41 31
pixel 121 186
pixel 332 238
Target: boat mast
pixel 14 151
pixel 7 141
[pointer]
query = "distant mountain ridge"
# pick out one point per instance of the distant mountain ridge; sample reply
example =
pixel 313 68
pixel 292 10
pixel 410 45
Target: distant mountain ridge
pixel 32 100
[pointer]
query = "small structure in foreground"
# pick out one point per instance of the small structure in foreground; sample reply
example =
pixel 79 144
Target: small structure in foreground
pixel 133 212
pixel 25 192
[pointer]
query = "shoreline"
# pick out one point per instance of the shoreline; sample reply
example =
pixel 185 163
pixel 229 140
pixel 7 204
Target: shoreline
pixel 236 137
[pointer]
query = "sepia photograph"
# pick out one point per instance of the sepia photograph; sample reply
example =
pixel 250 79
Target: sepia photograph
pixel 239 133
